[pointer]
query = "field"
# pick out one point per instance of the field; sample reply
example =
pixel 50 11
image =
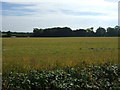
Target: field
pixel 22 54
pixel 69 63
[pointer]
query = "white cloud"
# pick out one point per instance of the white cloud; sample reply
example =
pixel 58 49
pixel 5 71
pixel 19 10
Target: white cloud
pixel 45 0
pixel 50 13
pixel 14 23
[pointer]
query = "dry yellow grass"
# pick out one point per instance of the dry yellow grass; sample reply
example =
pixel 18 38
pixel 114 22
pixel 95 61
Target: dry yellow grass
pixel 23 54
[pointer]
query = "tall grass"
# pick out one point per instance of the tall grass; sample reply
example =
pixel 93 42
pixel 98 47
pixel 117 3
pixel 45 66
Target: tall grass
pixel 22 54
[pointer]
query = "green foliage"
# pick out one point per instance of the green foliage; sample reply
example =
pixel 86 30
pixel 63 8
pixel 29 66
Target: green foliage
pixel 104 77
pixel 100 32
pixel 8 33
pixel 67 32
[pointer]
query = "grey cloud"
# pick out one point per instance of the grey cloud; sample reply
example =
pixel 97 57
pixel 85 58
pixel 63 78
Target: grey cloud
pixel 81 13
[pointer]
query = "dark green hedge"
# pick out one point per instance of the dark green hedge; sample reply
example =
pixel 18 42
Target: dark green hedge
pixel 104 77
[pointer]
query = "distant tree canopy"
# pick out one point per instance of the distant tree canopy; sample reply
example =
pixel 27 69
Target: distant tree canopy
pixel 52 32
pixel 67 32
pixel 100 32
pixel 113 31
pixel 8 33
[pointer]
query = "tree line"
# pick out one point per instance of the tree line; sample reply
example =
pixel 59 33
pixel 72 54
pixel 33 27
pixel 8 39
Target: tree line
pixel 67 32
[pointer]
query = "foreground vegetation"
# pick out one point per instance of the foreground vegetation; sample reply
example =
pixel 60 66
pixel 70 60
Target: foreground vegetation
pixel 24 54
pixel 103 77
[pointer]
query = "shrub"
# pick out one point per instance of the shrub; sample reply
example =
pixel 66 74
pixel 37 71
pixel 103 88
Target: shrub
pixel 103 77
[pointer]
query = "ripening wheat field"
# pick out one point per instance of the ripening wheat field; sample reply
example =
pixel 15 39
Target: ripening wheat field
pixel 23 54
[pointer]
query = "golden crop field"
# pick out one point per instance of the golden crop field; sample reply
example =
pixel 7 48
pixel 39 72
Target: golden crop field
pixel 23 54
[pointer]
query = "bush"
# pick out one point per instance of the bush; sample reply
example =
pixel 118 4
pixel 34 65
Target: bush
pixel 102 77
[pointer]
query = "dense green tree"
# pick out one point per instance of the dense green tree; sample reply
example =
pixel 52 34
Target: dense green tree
pixel 113 31
pixel 37 32
pixel 101 32
pixel 80 33
pixel 66 32
pixel 9 33
pixel 117 30
pixel 90 32
pixel 110 31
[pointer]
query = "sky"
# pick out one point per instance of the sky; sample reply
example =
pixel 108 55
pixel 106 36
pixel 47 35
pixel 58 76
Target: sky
pixel 24 15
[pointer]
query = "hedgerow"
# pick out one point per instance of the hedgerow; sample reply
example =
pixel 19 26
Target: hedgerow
pixel 103 77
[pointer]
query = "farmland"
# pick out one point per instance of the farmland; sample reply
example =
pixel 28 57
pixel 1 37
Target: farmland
pixel 60 63
pixel 21 54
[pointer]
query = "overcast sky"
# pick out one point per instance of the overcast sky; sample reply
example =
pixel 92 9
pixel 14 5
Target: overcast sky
pixel 23 16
